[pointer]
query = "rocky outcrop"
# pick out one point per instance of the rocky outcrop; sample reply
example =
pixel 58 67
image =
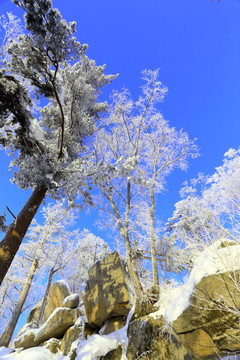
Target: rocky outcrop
pixel 115 354
pixel 52 345
pixel 149 340
pixel 200 344
pixel 107 292
pixel 204 326
pixel 77 331
pixel 210 325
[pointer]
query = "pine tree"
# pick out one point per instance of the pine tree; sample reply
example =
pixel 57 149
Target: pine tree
pixel 49 149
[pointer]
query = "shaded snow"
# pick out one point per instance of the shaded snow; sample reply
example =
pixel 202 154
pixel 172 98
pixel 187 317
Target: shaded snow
pixel 167 296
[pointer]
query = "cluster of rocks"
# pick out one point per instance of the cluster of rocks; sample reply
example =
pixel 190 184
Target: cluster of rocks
pixel 207 329
pixel 106 303
pixel 60 322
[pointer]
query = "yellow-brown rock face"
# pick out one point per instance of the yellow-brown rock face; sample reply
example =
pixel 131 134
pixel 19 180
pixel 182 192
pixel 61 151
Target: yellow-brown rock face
pixel 106 291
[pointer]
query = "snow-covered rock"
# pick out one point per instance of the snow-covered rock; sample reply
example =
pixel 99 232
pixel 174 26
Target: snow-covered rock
pixel 205 314
pixel 55 327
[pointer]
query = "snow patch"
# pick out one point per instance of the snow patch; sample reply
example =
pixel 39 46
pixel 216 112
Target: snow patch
pixel 168 295
pixel 97 345
pixel 100 345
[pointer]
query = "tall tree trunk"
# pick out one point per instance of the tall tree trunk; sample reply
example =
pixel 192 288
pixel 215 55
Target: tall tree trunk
pixel 131 263
pixel 14 236
pixel 52 271
pixel 8 332
pixel 152 239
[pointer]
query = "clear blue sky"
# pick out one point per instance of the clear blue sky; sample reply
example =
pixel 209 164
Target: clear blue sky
pixel 197 46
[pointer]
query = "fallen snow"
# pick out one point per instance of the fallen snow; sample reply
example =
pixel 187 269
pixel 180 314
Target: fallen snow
pixel 36 353
pixel 97 345
pixel 100 345
pixel 213 260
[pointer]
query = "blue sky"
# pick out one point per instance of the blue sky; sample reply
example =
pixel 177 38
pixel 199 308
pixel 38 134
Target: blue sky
pixel 196 44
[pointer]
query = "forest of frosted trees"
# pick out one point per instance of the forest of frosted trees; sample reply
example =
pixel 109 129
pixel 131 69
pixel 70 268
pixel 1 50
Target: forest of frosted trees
pixel 78 153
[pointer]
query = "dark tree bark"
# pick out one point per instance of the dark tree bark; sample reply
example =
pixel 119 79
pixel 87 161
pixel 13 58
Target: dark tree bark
pixel 14 236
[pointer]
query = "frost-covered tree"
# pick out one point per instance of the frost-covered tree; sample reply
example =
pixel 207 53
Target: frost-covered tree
pixel 87 249
pixel 134 155
pixel 210 208
pixel 10 29
pixel 13 284
pixel 52 248
pixel 48 149
pixel 48 242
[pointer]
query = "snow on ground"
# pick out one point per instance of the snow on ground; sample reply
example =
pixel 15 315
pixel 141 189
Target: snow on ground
pixel 37 353
pixel 97 345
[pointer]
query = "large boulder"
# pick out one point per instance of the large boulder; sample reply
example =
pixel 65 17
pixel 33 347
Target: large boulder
pixel 107 292
pixel 212 317
pixel 57 293
pixel 55 327
pixel 149 340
